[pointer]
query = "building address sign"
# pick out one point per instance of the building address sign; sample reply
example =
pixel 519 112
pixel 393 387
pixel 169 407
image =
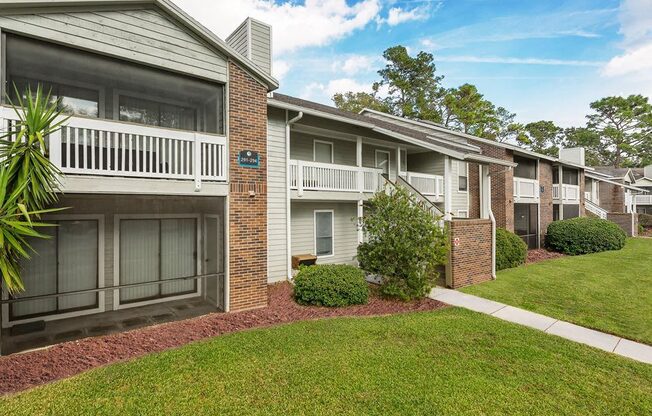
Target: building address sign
pixel 248 159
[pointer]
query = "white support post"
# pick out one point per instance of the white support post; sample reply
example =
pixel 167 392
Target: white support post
pixel 448 187
pixel 398 161
pixel 561 193
pixel 360 215
pixel 197 162
pixel 358 163
pixel 55 148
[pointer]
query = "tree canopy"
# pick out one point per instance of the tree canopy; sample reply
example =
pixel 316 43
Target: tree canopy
pixel 618 131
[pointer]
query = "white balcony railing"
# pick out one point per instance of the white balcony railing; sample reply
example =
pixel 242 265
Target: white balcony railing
pixel 314 176
pixel 570 193
pixel 426 184
pixel 643 199
pixel 526 188
pixel 595 209
pixel 87 146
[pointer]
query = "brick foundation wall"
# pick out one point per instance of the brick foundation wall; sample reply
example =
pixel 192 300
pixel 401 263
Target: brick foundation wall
pixel 628 222
pixel 247 212
pixel 546 203
pixel 470 253
pixel 612 197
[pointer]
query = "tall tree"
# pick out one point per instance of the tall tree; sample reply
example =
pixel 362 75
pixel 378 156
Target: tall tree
pixel 357 101
pixel 624 125
pixel 467 110
pixel 589 139
pixel 502 127
pixel 542 137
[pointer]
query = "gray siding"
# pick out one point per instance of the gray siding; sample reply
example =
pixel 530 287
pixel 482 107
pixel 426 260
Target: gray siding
pixel 261 45
pixel 345 239
pixel 145 36
pixel 239 39
pixel 301 148
pixel 276 197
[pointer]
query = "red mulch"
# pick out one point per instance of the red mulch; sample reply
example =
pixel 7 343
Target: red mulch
pixel 22 371
pixel 534 256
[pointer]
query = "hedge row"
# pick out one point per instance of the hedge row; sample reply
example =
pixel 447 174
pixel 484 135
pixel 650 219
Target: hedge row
pixel 584 235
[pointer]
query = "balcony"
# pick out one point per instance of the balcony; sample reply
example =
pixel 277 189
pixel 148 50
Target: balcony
pixel 95 147
pixel 314 176
pixel 570 193
pixel 431 186
pixel 643 199
pixel 526 189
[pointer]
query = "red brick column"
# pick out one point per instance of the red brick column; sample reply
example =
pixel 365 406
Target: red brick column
pixel 546 202
pixel 470 259
pixel 474 190
pixel 248 192
pixel 502 185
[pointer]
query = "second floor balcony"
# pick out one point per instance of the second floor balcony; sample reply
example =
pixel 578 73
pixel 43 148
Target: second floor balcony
pixel 316 176
pixel 644 199
pixel 526 189
pixel 566 193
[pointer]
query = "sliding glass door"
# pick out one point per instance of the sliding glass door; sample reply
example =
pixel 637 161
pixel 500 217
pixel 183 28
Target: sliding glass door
pixel 66 262
pixel 157 249
pixel 526 223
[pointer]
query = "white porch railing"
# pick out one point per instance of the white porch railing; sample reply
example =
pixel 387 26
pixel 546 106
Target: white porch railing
pixel 428 185
pixel 595 209
pixel 526 188
pixel 314 176
pixel 87 146
pixel 643 199
pixel 569 192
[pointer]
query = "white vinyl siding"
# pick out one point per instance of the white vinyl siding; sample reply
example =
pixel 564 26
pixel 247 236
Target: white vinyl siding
pixel 145 36
pixel 302 148
pixel 277 258
pixel 345 236
pixel 261 41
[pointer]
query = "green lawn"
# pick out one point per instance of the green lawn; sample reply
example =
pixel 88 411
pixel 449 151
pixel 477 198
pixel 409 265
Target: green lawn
pixel 449 361
pixel 610 291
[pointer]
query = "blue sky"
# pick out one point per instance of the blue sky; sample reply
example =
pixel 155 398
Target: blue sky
pixel 542 59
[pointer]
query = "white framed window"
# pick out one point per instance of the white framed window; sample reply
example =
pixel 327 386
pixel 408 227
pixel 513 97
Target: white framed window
pixel 322 151
pixel 462 213
pixel 72 259
pixel 383 160
pixel 462 176
pixel 153 248
pixel 324 232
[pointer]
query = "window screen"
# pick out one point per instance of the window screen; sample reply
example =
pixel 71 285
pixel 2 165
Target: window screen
pixel 526 168
pixel 324 233
pixel 153 113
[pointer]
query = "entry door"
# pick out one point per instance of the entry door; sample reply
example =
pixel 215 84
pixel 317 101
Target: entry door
pixel 382 161
pixel 213 259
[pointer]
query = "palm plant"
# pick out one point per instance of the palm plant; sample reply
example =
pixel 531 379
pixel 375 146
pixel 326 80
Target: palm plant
pixel 28 180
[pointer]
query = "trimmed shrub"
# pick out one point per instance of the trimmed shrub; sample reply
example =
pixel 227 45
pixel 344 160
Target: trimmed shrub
pixel 584 235
pixel 511 251
pixel 330 285
pixel 645 220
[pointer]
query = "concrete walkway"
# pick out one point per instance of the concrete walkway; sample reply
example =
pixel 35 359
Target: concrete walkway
pixel 597 339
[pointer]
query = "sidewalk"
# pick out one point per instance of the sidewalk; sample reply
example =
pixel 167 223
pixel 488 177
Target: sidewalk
pixel 596 339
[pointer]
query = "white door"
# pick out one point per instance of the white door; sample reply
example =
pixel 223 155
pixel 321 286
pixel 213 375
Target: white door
pixel 213 259
pixel 382 161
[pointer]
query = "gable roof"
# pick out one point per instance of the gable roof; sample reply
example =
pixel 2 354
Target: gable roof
pixel 617 173
pixel 461 151
pixel 170 9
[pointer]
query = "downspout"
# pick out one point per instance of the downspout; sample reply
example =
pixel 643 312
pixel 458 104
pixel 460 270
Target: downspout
pixel 288 192
pixel 493 230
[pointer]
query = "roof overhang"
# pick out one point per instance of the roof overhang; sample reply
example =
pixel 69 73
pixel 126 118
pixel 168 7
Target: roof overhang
pixel 171 10
pixel 322 114
pixel 612 182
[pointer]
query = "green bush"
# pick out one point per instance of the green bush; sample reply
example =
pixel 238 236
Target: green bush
pixel 645 220
pixel 584 235
pixel 330 285
pixel 511 251
pixel 405 245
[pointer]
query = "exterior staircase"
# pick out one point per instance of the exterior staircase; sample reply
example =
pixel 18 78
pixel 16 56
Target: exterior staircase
pixel 595 209
pixel 417 197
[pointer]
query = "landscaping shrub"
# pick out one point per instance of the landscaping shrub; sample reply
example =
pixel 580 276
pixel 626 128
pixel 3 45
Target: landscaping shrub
pixel 330 285
pixel 584 235
pixel 645 220
pixel 511 251
pixel 405 245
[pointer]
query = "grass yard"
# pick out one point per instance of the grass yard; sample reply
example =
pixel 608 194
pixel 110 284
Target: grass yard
pixel 609 291
pixel 449 361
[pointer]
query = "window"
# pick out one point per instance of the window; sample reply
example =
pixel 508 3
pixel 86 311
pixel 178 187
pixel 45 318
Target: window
pixel 153 113
pixel 154 250
pixel 463 180
pixel 322 151
pixel 569 176
pixel 526 168
pixel 72 100
pixel 323 233
pixel 66 262
pixel 382 160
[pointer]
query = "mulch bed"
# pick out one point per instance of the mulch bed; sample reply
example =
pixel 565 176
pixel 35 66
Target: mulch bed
pixel 22 371
pixel 537 255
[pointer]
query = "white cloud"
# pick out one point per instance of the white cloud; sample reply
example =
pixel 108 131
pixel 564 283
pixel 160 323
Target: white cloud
pixel 636 27
pixel 323 92
pixel 294 25
pixel 354 64
pixel 518 61
pixel 280 67
pixel 398 15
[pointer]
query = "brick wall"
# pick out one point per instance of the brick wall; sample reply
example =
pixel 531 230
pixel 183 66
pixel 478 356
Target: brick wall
pixel 502 186
pixel 546 204
pixel 474 190
pixel 470 254
pixel 247 213
pixel 628 222
pixel 612 197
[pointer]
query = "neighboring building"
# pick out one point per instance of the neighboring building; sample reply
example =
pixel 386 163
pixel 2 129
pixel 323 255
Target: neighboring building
pixel 643 201
pixel 620 190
